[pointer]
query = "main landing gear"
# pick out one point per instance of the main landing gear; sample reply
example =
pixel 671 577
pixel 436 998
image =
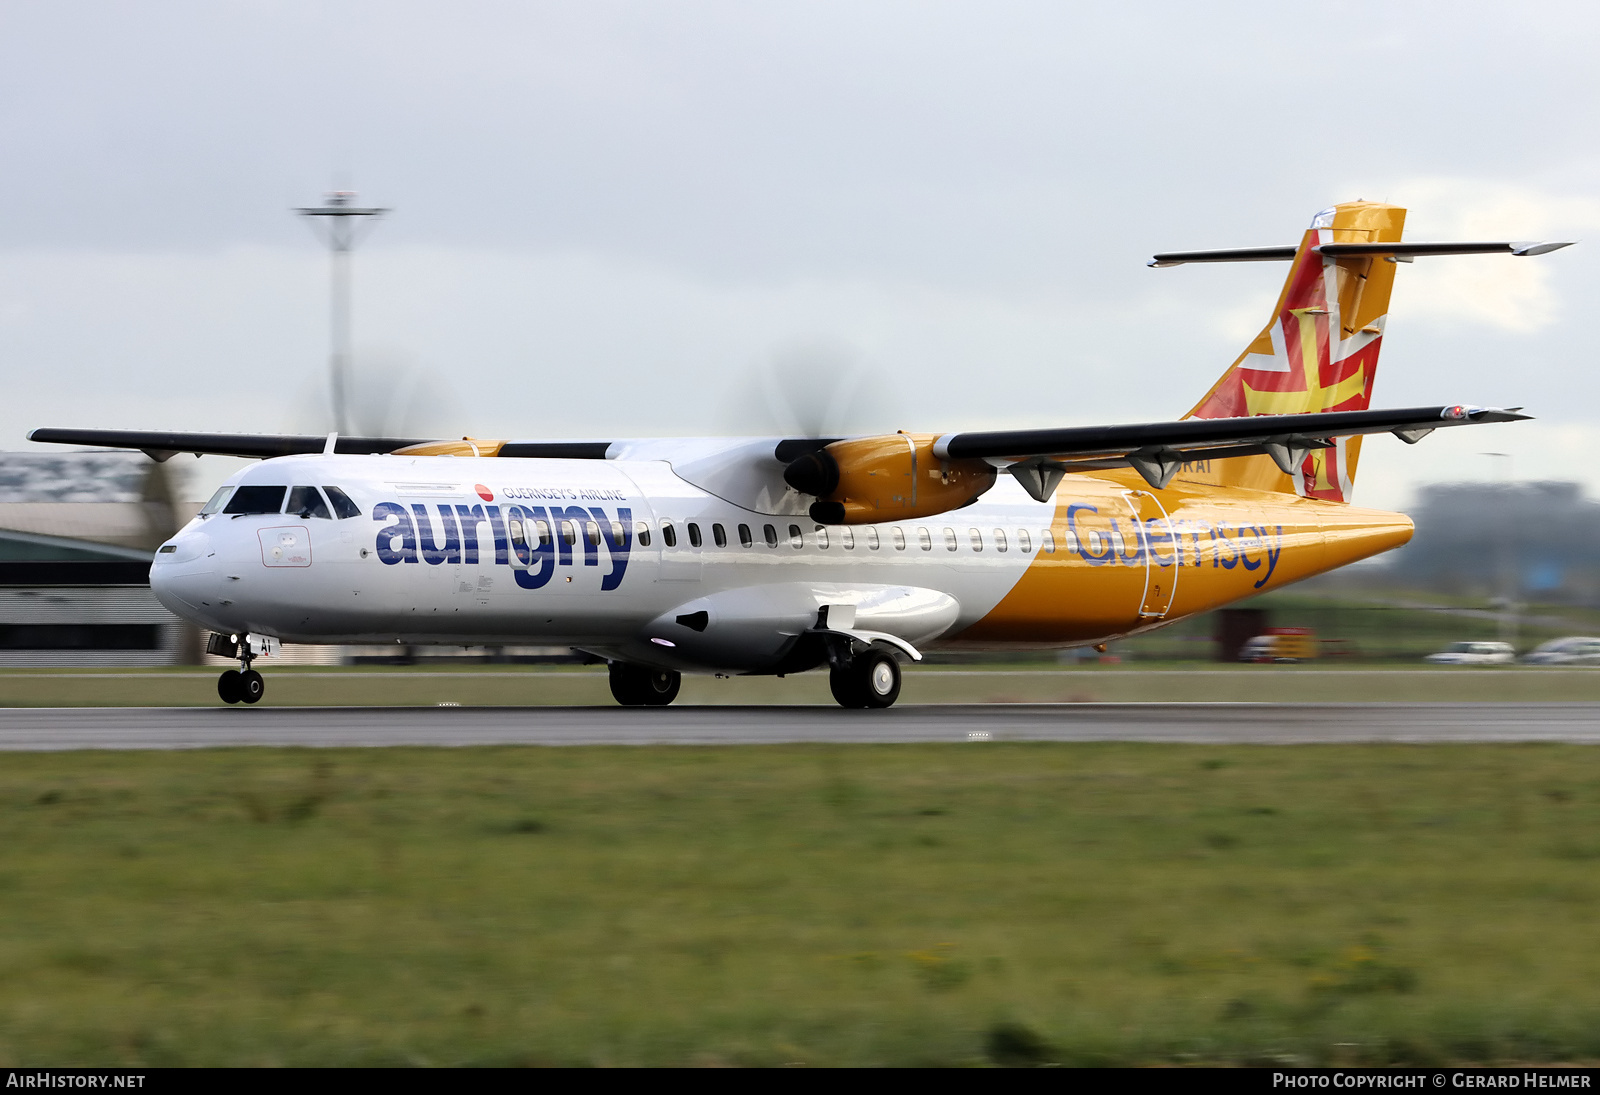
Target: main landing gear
pixel 869 679
pixel 637 686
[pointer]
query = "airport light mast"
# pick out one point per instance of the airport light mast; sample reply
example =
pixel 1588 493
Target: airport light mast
pixel 338 221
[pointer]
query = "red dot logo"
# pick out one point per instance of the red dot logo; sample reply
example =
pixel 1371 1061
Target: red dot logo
pixel 485 493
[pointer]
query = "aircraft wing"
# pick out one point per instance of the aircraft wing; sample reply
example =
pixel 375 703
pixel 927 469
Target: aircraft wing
pixel 261 446
pixel 1158 449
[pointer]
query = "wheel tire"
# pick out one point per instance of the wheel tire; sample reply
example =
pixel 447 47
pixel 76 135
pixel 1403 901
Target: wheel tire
pixel 880 679
pixel 229 686
pixel 640 686
pixel 845 686
pixel 871 680
pixel 252 686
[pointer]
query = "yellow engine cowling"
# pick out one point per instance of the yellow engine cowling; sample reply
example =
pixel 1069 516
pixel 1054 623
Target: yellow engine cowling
pixel 467 446
pixel 888 478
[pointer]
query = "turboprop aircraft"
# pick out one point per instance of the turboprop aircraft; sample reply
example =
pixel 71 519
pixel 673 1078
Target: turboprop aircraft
pixel 778 555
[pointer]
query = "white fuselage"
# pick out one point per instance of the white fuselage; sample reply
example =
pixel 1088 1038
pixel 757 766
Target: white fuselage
pixel 476 551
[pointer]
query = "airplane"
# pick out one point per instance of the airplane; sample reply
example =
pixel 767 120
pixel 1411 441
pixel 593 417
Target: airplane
pixel 778 555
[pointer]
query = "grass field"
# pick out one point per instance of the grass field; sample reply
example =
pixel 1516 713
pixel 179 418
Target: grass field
pixel 826 905
pixel 515 686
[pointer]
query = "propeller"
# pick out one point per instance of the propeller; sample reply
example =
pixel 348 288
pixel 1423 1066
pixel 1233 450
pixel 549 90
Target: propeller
pixel 809 389
pixel 388 393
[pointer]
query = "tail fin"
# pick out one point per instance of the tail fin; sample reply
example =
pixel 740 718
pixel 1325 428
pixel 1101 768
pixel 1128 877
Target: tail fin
pixel 1318 353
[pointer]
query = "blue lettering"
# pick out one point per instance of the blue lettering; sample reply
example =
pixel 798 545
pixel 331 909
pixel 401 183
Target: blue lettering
pixel 400 528
pixel 1272 555
pixel 1152 538
pixel 531 547
pixel 1249 541
pixel 1219 540
pixel 470 518
pixel 1124 556
pixel 450 552
pixel 497 525
pixel 618 548
pixel 1081 537
pixel 579 517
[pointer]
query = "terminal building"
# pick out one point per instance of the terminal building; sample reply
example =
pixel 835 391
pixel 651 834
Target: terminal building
pixel 77 531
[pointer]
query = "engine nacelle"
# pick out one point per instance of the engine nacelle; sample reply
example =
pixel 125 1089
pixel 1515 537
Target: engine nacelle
pixel 888 478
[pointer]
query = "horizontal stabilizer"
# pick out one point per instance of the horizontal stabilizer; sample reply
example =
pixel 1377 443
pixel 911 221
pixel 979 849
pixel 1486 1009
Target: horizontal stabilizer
pixel 1402 252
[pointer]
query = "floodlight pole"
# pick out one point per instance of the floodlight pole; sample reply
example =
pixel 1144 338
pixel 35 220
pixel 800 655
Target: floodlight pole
pixel 339 220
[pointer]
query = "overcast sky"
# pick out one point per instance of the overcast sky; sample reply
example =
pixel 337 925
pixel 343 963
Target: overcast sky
pixel 616 219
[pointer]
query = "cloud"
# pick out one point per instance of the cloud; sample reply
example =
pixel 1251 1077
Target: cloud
pixel 1513 295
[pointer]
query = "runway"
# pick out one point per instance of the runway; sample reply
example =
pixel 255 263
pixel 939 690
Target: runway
pixel 65 728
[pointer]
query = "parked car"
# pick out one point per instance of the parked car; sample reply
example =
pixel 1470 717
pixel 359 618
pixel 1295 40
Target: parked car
pixel 1573 650
pixel 1281 644
pixel 1479 653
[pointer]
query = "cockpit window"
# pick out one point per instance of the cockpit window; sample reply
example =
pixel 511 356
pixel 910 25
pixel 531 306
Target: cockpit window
pixel 341 503
pixel 216 501
pixel 256 500
pixel 306 502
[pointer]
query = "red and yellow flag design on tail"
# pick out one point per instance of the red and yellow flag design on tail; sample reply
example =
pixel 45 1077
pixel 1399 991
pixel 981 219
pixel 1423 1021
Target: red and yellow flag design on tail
pixel 1318 353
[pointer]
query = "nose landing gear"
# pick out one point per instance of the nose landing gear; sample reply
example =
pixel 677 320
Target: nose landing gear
pixel 235 686
pixel 242 685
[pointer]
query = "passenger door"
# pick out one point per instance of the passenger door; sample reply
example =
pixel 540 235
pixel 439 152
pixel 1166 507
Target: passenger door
pixel 1160 554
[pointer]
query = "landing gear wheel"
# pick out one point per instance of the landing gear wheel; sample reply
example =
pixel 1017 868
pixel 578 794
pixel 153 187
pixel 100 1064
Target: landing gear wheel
pixel 638 686
pixel 871 679
pixel 253 687
pixel 230 686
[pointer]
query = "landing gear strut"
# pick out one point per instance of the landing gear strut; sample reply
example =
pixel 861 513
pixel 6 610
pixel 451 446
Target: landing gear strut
pixel 869 679
pixel 638 686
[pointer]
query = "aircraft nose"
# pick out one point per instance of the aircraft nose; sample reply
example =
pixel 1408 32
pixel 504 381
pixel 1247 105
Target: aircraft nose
pixel 182 576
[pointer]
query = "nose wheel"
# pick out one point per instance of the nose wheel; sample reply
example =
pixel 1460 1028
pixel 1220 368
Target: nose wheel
pixel 241 687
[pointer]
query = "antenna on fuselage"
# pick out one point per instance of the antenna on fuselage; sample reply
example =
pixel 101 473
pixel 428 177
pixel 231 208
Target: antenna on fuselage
pixel 337 220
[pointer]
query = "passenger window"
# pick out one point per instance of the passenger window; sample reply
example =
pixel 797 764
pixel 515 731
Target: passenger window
pixel 569 534
pixel 1024 544
pixel 950 541
pixel 898 535
pixel 593 532
pixel 822 538
pixel 216 501
pixel 641 533
pixel 999 539
pixel 1047 542
pixel 795 540
pixel 694 534
pixel 669 535
pixel 745 539
pixel 925 538
pixel 847 538
pixel 256 500
pixel 872 539
pixel 1069 540
pixel 616 531
pixel 1117 541
pixel 719 536
pixel 541 529
pixel 307 502
pixel 771 535
pixel 977 539
pixel 518 537
pixel 341 502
